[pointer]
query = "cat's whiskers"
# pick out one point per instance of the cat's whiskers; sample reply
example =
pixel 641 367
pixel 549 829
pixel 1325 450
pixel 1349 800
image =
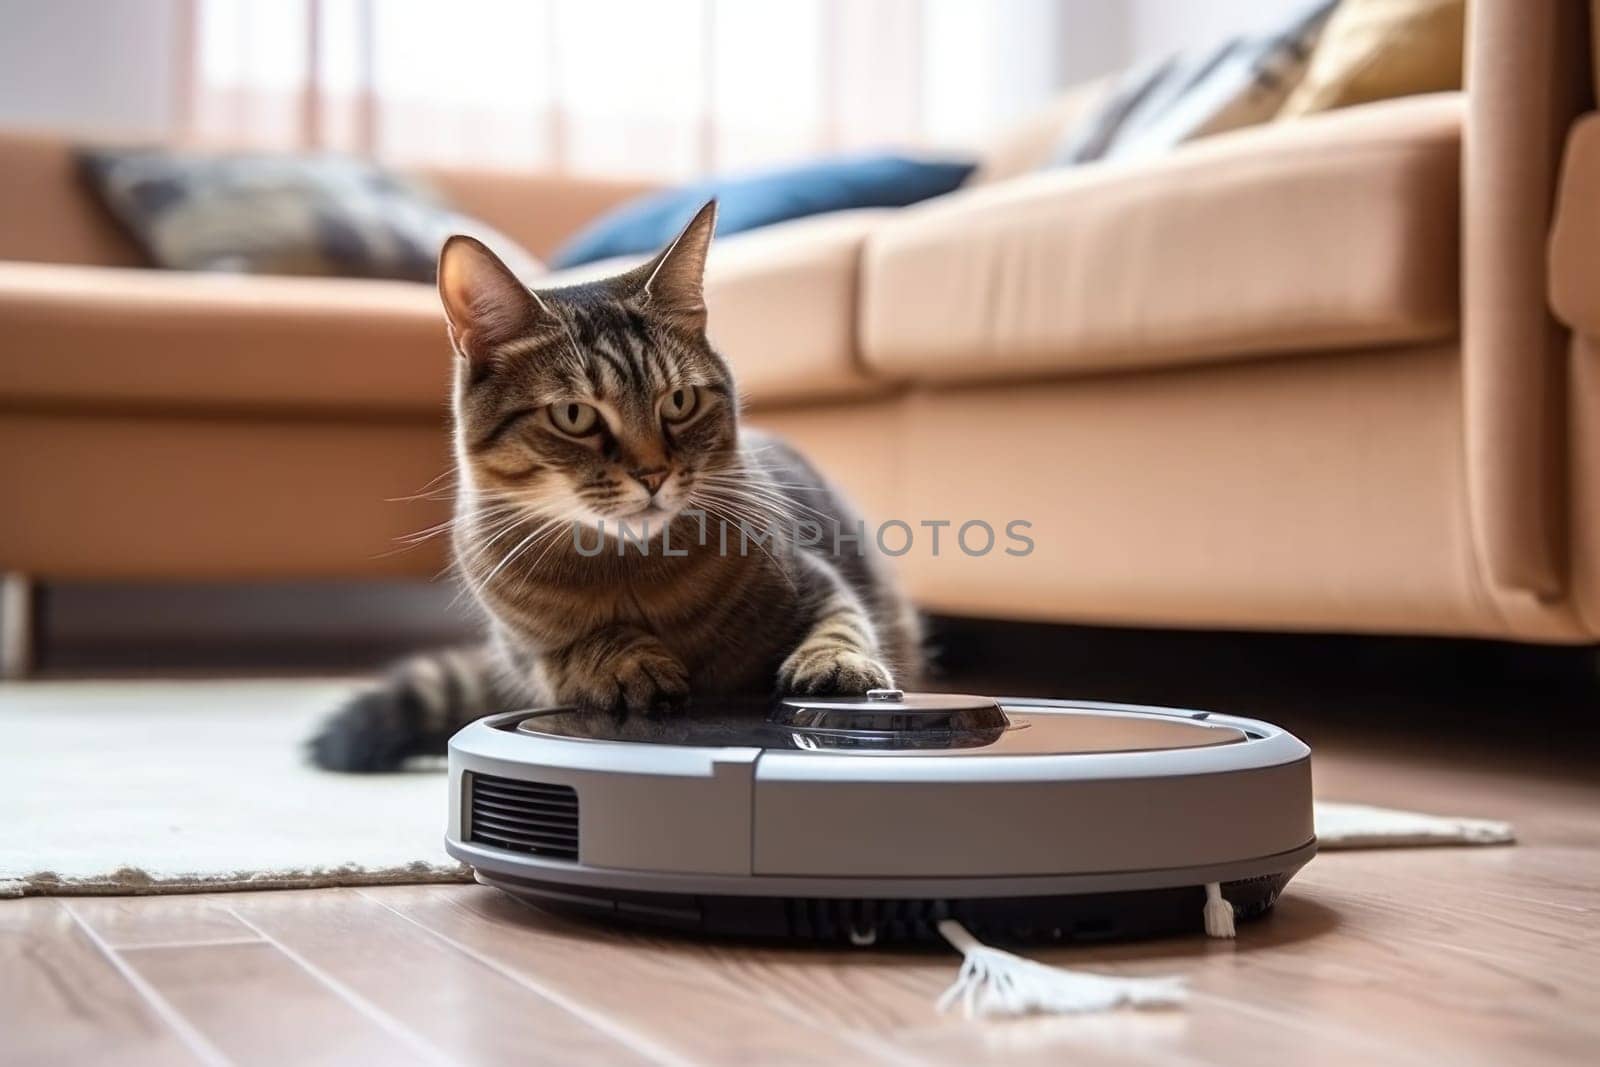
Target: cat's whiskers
pixel 755 507
pixel 739 521
pixel 432 490
pixel 549 542
pixel 455 520
pixel 469 556
pixel 755 512
pixel 518 549
pixel 473 553
pixel 500 527
pixel 786 506
pixel 409 541
pixel 749 484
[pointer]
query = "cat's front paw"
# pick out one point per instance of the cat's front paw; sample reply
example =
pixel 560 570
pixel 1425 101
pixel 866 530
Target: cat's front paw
pixel 639 680
pixel 831 672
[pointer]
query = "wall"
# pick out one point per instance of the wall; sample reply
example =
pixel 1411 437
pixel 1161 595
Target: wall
pixel 994 61
pixel 1160 27
pixel 1102 36
pixel 110 65
pixel 89 65
pixel 985 64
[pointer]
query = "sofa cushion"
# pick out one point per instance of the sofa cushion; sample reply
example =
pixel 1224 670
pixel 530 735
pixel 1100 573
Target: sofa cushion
pixel 782 304
pixel 1337 230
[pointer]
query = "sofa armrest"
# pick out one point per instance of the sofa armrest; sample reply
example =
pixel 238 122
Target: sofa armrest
pixel 1526 80
pixel 109 339
pixel 1575 234
pixel 540 211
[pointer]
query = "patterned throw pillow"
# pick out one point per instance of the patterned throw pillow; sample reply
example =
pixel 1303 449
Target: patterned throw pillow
pixel 1160 105
pixel 283 214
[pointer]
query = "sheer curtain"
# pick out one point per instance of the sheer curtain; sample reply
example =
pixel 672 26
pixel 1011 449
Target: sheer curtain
pixel 657 88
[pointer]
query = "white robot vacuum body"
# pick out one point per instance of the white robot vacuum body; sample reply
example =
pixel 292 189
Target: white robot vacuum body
pixel 872 819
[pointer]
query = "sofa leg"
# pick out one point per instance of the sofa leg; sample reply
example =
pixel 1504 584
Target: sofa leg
pixel 16 625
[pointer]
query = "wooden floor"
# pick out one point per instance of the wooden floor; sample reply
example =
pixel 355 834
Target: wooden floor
pixel 1427 956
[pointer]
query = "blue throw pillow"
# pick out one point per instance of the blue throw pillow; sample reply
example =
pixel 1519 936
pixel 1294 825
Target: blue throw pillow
pixel 744 203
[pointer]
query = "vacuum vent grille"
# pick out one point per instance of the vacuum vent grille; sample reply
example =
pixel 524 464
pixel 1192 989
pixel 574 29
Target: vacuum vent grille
pixel 537 818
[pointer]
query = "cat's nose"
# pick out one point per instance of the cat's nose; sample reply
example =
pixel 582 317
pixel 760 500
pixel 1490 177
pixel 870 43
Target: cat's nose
pixel 651 479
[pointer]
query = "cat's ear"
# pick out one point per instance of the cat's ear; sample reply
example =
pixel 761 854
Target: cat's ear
pixel 675 280
pixel 485 304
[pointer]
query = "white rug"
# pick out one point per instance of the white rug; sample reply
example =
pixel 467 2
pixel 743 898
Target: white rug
pixel 168 787
pixel 171 787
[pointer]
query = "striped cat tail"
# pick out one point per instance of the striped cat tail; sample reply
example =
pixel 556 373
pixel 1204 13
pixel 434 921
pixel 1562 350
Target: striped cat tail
pixel 412 711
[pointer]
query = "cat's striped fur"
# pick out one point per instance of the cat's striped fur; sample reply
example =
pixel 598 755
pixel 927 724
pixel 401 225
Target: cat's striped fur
pixel 582 406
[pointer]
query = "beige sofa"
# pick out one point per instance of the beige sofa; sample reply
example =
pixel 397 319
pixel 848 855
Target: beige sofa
pixel 1302 376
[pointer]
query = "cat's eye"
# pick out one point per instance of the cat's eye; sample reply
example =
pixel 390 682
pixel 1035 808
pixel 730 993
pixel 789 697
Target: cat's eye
pixel 575 418
pixel 680 403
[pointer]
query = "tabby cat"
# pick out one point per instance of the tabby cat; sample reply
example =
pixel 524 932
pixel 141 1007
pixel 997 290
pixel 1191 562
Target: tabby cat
pixel 578 410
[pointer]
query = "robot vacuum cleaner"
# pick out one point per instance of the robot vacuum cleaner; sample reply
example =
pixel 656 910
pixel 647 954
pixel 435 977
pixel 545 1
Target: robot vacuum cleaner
pixel 874 819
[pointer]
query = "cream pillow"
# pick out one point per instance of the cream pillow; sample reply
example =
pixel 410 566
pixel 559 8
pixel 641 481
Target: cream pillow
pixel 1378 49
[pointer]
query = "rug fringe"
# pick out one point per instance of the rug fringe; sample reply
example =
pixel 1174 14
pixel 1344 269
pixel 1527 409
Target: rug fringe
pixel 996 983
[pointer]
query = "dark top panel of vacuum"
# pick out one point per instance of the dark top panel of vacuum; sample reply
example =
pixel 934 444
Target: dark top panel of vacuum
pixel 887 721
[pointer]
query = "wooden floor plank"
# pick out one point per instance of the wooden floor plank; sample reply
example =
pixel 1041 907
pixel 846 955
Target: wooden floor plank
pixel 63 1000
pixel 662 989
pixel 137 922
pixel 447 996
pixel 892 994
pixel 257 1006
pixel 1423 944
